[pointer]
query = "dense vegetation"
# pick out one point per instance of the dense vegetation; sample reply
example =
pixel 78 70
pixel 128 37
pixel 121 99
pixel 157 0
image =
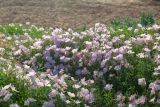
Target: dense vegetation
pixel 115 65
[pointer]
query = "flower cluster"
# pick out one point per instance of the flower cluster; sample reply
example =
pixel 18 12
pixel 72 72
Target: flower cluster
pixel 90 67
pixel 5 93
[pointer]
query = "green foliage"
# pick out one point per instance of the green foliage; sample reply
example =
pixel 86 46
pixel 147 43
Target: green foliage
pixel 20 29
pixel 119 23
pixel 12 29
pixel 147 19
pixel 109 99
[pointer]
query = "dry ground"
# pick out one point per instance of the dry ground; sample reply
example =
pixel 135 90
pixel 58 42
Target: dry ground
pixel 72 13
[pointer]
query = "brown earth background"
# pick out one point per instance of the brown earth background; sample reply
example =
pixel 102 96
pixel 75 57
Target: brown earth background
pixel 73 13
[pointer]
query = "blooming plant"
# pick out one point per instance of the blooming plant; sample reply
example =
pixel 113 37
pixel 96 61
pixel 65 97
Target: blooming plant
pixel 97 67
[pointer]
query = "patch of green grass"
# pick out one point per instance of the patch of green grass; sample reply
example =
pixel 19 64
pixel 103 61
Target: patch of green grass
pixel 20 29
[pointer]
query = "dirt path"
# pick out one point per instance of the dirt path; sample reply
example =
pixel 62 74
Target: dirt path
pixel 72 13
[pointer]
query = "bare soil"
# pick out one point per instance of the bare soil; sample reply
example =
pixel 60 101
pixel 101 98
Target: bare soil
pixel 73 13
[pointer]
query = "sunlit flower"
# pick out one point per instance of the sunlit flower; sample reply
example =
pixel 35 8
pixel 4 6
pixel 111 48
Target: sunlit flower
pixel 71 94
pixel 141 81
pixel 141 100
pixel 118 57
pixel 108 87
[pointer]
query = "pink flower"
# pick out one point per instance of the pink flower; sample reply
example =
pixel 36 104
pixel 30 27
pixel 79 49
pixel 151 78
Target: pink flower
pixel 24 49
pixel 64 59
pixel 48 104
pixel 100 27
pixel 155 86
pixel 87 95
pixel 141 100
pixel 147 38
pixel 103 63
pixel 14 105
pixel 7 97
pixel 38 44
pixel 84 82
pixel 28 101
pixel 53 93
pixel 116 40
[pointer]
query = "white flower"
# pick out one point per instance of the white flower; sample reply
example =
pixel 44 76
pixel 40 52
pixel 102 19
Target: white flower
pixel 119 96
pixel 132 105
pixel 7 87
pixel 64 59
pixel 18 52
pixel 68 48
pixel 77 101
pixel 38 44
pixel 136 30
pixel 8 38
pixel 26 34
pixel 122 36
pixel 130 52
pixel 141 55
pixel 76 86
pixel 130 28
pixel 71 94
pixel 156 27
pixel 108 87
pixel 142 82
pixel 117 67
pixel 152 100
pixel 2 49
pixel 157 71
pixel 74 51
pixel 67 101
pixel 86 105
pixel 139 25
